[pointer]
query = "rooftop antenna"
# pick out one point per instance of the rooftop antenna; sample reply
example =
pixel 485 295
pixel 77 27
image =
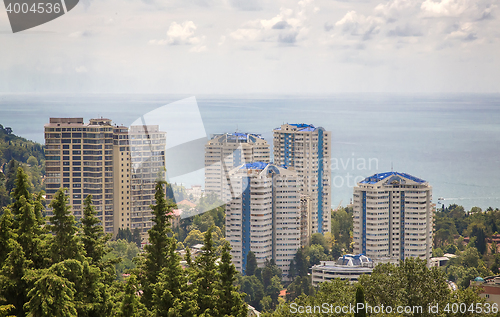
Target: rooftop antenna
pixel 392 167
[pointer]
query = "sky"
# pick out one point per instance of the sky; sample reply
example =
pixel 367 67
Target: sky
pixel 257 46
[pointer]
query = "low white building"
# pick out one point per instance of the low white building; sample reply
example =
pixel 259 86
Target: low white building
pixel 348 267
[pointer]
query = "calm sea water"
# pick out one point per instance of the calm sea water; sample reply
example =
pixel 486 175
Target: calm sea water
pixel 451 141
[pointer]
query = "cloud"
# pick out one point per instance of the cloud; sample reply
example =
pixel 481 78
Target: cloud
pixel 476 9
pixel 405 31
pixel 429 22
pixel 393 10
pixel 180 34
pixel 466 32
pixel 359 25
pixel 445 7
pixel 288 27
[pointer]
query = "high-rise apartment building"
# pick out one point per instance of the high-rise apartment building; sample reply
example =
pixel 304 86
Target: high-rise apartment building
pixel 263 215
pixel 308 150
pixel 147 156
pixel 393 216
pixel 226 151
pixel 117 166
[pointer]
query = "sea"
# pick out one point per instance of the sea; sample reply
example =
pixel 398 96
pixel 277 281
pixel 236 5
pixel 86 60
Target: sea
pixel 451 141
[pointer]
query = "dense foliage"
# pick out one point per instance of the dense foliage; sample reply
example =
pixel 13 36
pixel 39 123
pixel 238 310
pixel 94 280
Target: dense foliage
pixel 52 267
pixel 18 152
pixel 411 284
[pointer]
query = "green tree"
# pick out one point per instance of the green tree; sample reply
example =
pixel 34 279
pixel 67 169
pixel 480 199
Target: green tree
pixel 478 231
pixel 251 264
pixel 437 252
pixel 194 237
pixel 230 301
pixel 360 302
pixel 136 237
pixel 32 161
pixel 342 226
pixel 172 296
pixel 131 305
pixel 66 244
pixel 254 290
pixel 51 295
pixel 206 276
pixel 122 254
pixel 269 271
pixel 13 286
pixel 319 239
pixel 92 235
pixel 300 285
pixel 156 252
pixel 6 234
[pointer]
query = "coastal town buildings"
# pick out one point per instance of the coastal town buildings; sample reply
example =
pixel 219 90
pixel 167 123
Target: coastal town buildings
pixel 308 149
pixel 118 166
pixel 263 214
pixel 226 151
pixel 393 216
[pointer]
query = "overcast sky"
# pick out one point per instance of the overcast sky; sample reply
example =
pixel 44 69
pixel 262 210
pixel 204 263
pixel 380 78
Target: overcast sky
pixel 258 46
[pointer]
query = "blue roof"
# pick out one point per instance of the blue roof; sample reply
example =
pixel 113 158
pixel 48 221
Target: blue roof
pixel 357 256
pixel 375 178
pixel 254 166
pixel 302 127
pixel 479 279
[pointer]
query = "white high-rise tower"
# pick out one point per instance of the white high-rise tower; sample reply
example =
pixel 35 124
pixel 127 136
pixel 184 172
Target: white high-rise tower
pixel 308 150
pixel 263 214
pixel 226 151
pixel 393 216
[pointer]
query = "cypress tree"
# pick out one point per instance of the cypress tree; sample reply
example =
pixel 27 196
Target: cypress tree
pixel 156 253
pixel 206 276
pixel 21 189
pixel 172 295
pixel 230 301
pixel 251 264
pixel 136 237
pixel 6 234
pixel 93 237
pixel 360 299
pixel 28 232
pixel 65 244
pixel 13 286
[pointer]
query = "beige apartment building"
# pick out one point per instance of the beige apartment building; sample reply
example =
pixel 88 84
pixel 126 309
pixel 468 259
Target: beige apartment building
pixel 393 217
pixel 118 166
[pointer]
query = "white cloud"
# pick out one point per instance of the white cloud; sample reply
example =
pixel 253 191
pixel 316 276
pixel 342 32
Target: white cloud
pixel 288 27
pixel 472 9
pixel 180 34
pixel 430 23
pixel 359 25
pixel 466 32
pixel 446 7
pixel 393 10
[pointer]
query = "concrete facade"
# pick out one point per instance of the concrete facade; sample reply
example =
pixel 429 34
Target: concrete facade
pixel 393 217
pixel 308 149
